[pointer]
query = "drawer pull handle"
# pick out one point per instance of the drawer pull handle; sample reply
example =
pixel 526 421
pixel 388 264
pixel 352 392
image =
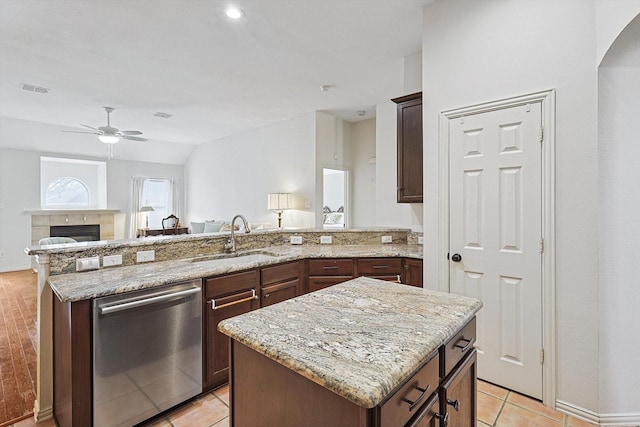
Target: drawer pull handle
pixel 414 403
pixel 266 296
pixel 217 307
pixel 380 266
pixel 444 418
pixel 454 403
pixel 332 267
pixel 398 279
pixel 465 347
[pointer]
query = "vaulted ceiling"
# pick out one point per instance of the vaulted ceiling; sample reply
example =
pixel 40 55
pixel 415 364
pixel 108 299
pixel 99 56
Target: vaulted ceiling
pixel 215 76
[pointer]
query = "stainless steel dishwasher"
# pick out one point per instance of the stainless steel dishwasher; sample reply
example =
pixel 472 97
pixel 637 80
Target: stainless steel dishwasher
pixel 147 352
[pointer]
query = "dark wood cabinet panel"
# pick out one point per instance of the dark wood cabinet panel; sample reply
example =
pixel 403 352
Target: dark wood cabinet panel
pixel 225 296
pixel 331 267
pixel 317 283
pixel 458 394
pixel 281 282
pixel 389 269
pixel 279 292
pixel 409 148
pixel 428 414
pixel 72 361
pixel 413 272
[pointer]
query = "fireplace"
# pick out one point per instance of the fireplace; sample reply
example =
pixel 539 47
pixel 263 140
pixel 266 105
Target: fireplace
pixel 81 233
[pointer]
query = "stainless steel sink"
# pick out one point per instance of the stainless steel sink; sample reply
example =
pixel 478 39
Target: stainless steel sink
pixel 219 260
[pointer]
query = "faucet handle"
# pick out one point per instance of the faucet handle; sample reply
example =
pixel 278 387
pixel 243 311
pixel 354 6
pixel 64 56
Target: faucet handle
pixel 228 245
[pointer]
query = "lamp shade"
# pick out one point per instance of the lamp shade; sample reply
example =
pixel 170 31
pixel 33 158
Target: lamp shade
pixel 147 209
pixel 279 201
pixel 109 139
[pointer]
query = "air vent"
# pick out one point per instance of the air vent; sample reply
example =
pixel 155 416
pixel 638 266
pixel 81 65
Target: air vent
pixel 33 88
pixel 163 115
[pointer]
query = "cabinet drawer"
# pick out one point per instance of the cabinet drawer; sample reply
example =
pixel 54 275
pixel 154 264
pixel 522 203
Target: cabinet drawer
pixel 406 402
pixel 279 292
pixel 330 267
pixel 231 283
pixel 457 348
pixel 280 273
pixel 317 283
pixel 379 266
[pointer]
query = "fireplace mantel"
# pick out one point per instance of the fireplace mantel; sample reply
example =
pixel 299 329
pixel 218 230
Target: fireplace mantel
pixel 71 211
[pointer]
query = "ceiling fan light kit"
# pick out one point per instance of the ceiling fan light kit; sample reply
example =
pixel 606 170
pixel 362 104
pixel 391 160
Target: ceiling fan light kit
pixel 110 135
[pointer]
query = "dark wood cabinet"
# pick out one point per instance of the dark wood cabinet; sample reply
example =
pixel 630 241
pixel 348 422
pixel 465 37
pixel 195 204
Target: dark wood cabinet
pixel 412 272
pixel 281 282
pixel 458 393
pixel 425 399
pixel 409 148
pixel 389 269
pixel 326 272
pixel 225 296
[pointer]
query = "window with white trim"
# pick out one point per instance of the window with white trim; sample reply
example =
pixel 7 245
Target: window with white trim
pixel 72 183
pixel 157 193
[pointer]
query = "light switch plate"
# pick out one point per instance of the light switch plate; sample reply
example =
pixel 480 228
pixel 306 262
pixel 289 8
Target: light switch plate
pixel 296 240
pixel 326 240
pixel 386 239
pixel 420 240
pixel 90 263
pixel 145 256
pixel 109 260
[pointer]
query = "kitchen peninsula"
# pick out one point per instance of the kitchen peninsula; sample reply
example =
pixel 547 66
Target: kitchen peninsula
pixel 362 353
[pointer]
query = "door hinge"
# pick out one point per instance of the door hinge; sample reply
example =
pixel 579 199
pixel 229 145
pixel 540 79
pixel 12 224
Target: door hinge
pixel 541 134
pixel 541 245
pixel 541 356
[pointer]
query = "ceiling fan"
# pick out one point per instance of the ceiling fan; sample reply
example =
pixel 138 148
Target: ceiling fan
pixel 109 134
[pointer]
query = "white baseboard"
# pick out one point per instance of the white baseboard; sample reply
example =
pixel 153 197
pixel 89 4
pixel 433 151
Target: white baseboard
pixel 41 415
pixel 626 420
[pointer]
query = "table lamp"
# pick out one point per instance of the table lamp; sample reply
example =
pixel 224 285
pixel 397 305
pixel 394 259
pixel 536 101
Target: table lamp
pixel 278 202
pixel 146 210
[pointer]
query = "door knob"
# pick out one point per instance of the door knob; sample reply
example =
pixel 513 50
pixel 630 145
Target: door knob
pixel 456 258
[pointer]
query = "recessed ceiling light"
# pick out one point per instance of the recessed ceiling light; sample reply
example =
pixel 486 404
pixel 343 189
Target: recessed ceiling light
pixel 234 12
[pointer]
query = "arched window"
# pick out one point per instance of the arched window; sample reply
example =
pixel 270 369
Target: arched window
pixel 67 191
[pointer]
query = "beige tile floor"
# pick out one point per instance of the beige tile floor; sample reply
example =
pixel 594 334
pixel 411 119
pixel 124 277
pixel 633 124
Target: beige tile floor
pixel 497 407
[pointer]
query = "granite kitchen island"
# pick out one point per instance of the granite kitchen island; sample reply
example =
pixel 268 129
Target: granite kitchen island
pixel 361 353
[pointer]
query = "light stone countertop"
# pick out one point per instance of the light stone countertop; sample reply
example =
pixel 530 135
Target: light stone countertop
pixel 116 280
pixel 360 339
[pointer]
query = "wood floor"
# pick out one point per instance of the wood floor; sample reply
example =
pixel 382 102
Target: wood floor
pixel 17 344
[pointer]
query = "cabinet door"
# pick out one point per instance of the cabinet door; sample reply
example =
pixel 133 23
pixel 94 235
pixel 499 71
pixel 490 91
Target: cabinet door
pixel 410 148
pixel 274 294
pixel 428 414
pixel 233 295
pixel 317 283
pixel 413 272
pixel 458 394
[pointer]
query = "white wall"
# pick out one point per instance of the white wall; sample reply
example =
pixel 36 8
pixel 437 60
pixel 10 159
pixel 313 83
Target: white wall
pixel 332 149
pixel 619 228
pixel 234 174
pixel 497 49
pixel 20 191
pixel 363 173
pixel 388 211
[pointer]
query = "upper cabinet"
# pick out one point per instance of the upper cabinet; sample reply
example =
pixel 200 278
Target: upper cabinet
pixel 409 148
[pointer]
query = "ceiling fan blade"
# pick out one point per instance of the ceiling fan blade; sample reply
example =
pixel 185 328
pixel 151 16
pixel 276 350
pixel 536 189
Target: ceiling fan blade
pixel 130 132
pixel 90 127
pixel 134 138
pixel 77 131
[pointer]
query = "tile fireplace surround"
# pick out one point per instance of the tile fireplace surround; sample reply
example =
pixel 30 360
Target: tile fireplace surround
pixel 43 219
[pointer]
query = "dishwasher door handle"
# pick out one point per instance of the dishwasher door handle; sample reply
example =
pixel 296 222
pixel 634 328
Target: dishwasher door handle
pixel 109 308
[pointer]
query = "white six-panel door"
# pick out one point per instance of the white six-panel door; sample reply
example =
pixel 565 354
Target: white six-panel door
pixel 495 227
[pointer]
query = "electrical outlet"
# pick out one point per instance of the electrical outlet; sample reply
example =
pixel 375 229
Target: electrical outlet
pixel 326 240
pixel 296 240
pixel 420 240
pixel 145 256
pixel 109 260
pixel 91 263
pixel 1 254
pixel 386 239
